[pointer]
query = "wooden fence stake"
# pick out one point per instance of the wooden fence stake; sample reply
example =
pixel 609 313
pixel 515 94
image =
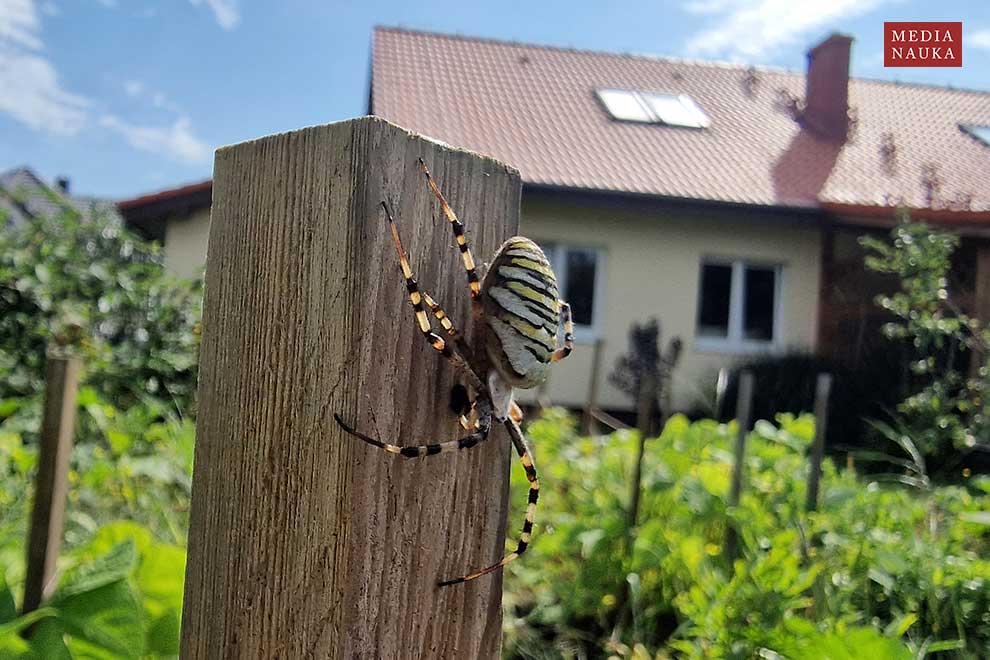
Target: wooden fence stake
pixel 305 542
pixel 822 388
pixel 588 425
pixel 744 413
pixel 51 484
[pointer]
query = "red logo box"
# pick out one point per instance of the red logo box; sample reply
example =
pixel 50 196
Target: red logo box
pixel 922 44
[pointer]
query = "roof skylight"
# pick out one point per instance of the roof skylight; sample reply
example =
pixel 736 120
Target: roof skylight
pixel 653 108
pixel 624 105
pixel 981 133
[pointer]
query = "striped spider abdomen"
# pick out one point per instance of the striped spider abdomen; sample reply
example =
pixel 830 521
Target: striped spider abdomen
pixel 522 313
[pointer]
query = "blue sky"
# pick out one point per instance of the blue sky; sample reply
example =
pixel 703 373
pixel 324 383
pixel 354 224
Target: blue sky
pixel 130 96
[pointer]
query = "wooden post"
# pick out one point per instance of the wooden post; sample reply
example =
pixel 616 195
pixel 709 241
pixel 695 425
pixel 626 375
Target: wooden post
pixel 644 422
pixel 744 413
pixel 981 305
pixel 51 484
pixel 822 389
pixel 305 542
pixel 588 425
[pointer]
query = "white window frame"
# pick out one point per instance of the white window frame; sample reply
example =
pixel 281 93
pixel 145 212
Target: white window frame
pixel 556 252
pixel 735 341
pixel 648 108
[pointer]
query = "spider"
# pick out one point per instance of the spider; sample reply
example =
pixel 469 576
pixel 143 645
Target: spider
pixel 518 305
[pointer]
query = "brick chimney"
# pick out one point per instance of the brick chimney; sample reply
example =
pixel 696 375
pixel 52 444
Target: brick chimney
pixel 826 109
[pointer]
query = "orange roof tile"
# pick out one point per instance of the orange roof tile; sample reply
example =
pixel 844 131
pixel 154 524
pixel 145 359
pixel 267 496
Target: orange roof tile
pixel 535 107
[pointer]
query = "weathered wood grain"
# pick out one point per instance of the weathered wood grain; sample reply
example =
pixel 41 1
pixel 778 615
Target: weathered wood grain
pixel 51 484
pixel 305 542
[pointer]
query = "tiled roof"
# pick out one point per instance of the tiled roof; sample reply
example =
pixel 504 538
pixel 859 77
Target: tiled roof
pixel 25 195
pixel 535 107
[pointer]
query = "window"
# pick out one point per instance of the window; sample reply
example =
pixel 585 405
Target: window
pixel 653 108
pixel 624 105
pixel 579 276
pixel 677 110
pixel 981 133
pixel 738 305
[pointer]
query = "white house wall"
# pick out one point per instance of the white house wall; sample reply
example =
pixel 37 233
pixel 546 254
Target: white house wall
pixel 185 243
pixel 652 268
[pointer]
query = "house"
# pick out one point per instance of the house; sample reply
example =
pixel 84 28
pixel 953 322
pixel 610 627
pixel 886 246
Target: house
pixel 25 195
pixel 724 200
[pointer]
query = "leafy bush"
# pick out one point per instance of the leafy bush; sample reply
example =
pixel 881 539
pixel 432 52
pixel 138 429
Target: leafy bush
pixel 884 567
pixel 89 283
pixel 89 286
pixel 786 383
pixel 948 412
pixel 123 555
pixel 119 597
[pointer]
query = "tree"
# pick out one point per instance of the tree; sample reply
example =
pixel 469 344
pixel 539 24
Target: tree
pixel 949 412
pixel 88 284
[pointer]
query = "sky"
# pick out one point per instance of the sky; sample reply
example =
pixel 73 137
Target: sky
pixel 125 97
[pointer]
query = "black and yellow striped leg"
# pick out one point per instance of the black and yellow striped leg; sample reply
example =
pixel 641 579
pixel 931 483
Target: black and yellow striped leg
pixel 483 428
pixel 441 315
pixel 519 442
pixel 561 353
pixel 459 236
pixel 418 301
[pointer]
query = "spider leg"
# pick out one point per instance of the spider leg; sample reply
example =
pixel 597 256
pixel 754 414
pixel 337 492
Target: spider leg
pixel 519 442
pixel 440 314
pixel 483 428
pixel 418 299
pixel 561 353
pixel 462 243
pixel 516 413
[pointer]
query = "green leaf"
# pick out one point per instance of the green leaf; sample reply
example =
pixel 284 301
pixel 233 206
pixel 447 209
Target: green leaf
pixel 160 578
pixel 118 532
pixel 114 566
pixel 898 627
pixel 48 640
pixel 164 634
pixel 945 645
pixel 108 618
pixel 8 610
pixel 21 623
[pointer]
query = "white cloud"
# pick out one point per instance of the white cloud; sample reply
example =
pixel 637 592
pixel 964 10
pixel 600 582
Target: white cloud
pixel 19 25
pixel 31 91
pixel 978 39
pixel 750 30
pixel 226 12
pixel 176 141
pixel 134 88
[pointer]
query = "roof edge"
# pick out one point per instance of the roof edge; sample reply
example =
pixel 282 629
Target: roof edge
pixel 168 194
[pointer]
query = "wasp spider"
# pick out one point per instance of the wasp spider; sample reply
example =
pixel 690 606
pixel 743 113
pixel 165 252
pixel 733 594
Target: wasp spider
pixel 518 304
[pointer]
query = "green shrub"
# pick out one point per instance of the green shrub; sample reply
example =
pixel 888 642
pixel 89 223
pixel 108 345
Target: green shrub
pixel 887 565
pixel 94 286
pixel 123 555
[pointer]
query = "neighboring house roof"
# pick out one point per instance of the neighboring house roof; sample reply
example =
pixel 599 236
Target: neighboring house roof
pixel 147 214
pixel 536 108
pixel 25 195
